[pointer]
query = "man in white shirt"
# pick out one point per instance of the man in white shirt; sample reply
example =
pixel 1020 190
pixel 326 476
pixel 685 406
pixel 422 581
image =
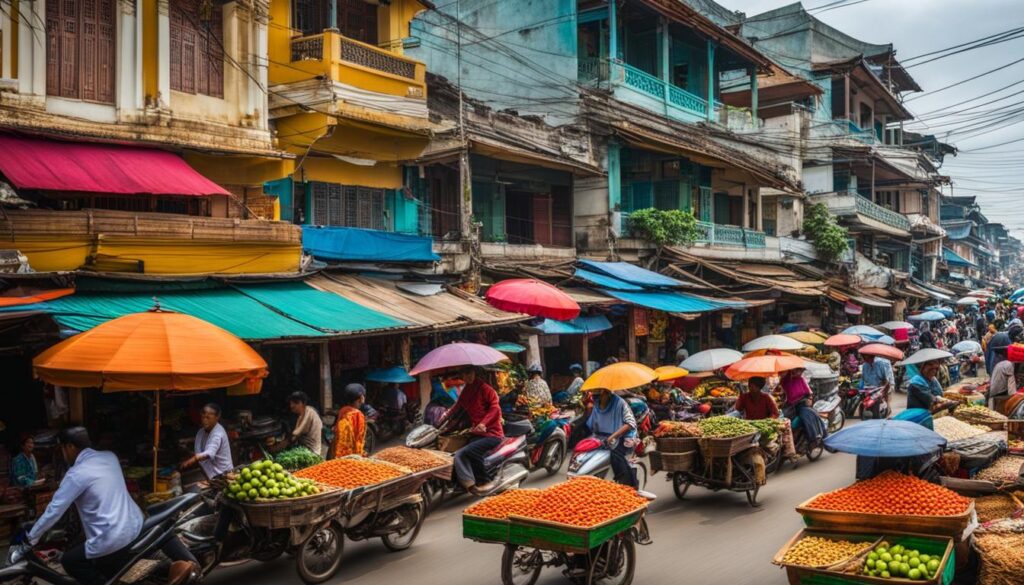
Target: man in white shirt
pixel 308 428
pixel 212 447
pixel 111 520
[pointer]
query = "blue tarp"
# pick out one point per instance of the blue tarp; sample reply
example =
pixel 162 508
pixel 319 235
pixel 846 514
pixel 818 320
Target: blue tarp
pixel 578 326
pixel 669 301
pixel 605 281
pixel 955 259
pixel 957 230
pixel 359 245
pixel 632 274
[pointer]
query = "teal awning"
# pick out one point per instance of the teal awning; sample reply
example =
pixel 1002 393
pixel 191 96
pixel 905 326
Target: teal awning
pixel 673 302
pixel 259 313
pixel 955 259
pixel 577 326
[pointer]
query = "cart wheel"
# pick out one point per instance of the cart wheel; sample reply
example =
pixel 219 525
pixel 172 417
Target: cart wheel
pixel 814 451
pixel 679 485
pixel 752 497
pixel 840 422
pixel 520 565
pixel 773 460
pixel 554 457
pixel 319 557
pixel 614 563
pixel 369 441
pixel 274 549
pixel 398 541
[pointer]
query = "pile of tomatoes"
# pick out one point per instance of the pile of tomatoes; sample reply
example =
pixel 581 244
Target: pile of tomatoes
pixel 895 494
pixel 582 501
pixel 352 472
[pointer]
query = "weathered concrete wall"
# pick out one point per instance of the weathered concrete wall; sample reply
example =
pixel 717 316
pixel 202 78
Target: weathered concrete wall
pixel 515 55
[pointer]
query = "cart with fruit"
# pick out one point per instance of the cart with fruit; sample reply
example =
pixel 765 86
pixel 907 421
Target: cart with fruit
pixel 718 453
pixel 587 526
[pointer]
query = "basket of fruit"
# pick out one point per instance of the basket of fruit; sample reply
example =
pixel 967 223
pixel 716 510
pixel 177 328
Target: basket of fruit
pixel 270 497
pixel 823 550
pixel 677 437
pixel 890 501
pixel 893 558
pixel 487 520
pixel 725 436
pixel 367 481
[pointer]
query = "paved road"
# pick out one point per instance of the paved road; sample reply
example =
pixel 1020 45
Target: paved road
pixel 711 538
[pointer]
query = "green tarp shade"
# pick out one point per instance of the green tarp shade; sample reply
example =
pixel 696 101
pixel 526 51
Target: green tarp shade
pixel 324 311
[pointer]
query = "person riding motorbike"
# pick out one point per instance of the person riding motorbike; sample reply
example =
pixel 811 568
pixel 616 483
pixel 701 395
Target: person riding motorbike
pixel 612 420
pixel 479 401
pixel 798 402
pixel 756 404
pixel 876 372
pixel 111 520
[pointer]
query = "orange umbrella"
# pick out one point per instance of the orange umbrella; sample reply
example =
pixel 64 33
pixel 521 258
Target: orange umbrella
pixel 881 350
pixel 153 351
pixel 666 373
pixel 843 339
pixel 620 376
pixel 769 364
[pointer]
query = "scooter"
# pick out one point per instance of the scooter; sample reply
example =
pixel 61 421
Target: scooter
pixel 548 444
pixel 590 457
pixel 875 403
pixel 506 466
pixel 26 565
pixel 829 408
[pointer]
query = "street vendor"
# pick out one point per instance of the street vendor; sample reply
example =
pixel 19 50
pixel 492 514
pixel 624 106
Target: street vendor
pixel 925 391
pixel 756 404
pixel 798 403
pixel 876 372
pixel 308 428
pixel 1004 380
pixel 24 469
pixel 612 421
pixel 350 430
pixel 538 394
pixel 570 393
pixel 479 401
pixel 212 447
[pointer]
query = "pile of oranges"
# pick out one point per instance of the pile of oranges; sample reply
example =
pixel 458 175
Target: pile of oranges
pixel 510 503
pixel 414 459
pixel 895 494
pixel 352 472
pixel 582 501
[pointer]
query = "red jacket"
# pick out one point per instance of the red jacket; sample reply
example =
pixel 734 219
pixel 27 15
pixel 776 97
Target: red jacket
pixel 480 402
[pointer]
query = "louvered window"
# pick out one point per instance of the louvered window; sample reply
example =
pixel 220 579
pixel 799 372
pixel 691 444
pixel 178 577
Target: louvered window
pixel 80 44
pixel 347 206
pixel 197 47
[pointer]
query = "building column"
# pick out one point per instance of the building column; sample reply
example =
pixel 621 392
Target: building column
pixel 163 53
pixel 326 391
pixel 127 78
pixel 614 168
pixel 631 334
pixel 257 61
pixel 31 48
pixel 9 47
pixel 711 80
pixel 760 210
pixel 746 206
pixel 664 47
pixel 613 32
pixel 753 97
pixel 849 104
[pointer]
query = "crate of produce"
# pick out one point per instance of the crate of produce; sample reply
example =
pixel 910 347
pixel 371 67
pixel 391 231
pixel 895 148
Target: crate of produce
pixel 367 481
pixel 806 549
pixel 676 444
pixel 661 461
pixel 727 447
pixel 433 463
pixel 864 507
pixel 555 536
pixel 292 512
pixel 939 550
pixel 487 520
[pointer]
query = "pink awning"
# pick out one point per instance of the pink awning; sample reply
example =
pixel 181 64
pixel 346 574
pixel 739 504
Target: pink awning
pixel 54 165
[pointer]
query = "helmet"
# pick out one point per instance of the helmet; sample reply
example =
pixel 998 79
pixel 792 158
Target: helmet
pixel 534 368
pixel 575 368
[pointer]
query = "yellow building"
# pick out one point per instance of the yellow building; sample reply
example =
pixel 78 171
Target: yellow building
pixel 345 101
pixel 186 76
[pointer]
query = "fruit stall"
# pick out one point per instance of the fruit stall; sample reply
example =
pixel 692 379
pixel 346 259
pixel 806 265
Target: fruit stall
pixel 717 453
pixel 588 525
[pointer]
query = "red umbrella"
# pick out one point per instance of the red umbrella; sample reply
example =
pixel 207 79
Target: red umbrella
pixel 533 297
pixel 881 350
pixel 842 340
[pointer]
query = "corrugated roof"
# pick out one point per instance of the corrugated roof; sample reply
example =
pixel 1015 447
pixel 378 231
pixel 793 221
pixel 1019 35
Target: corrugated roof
pixel 321 310
pixel 605 281
pixel 450 309
pixel 632 274
pixel 577 326
pixel 670 301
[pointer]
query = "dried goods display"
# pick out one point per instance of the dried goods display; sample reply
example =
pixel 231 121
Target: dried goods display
pixel 815 551
pixel 893 493
pixel 668 428
pixel 352 472
pixel 1006 469
pixel 725 426
pixel 1001 560
pixel 953 429
pixel 978 414
pixel 414 459
pixel 995 507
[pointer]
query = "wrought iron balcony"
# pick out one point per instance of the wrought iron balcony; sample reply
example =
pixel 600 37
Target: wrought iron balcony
pixel 850 203
pixel 595 71
pixel 729 235
pixel 878 213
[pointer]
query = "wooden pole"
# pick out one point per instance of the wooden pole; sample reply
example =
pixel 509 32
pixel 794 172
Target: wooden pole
pixel 326 391
pixel 631 334
pixel 156 437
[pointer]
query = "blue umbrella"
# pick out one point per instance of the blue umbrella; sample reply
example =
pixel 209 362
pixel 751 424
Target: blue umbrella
pixel 886 340
pixel 946 311
pixel 508 347
pixel 886 438
pixel 1017 293
pixel 927 316
pixel 395 375
pixel 864 331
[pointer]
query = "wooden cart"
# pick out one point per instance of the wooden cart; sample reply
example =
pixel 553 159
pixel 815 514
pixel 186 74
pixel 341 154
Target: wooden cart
pixel 717 464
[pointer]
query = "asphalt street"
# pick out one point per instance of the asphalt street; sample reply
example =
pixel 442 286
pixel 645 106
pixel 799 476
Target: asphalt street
pixel 710 538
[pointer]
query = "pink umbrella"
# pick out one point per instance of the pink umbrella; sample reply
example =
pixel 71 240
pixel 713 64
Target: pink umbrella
pixel 533 297
pixel 454 355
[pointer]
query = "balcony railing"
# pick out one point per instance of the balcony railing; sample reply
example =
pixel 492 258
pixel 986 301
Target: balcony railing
pixel 876 212
pixel 338 57
pixel 643 81
pixel 371 57
pixel 854 131
pixel 729 235
pixel 594 71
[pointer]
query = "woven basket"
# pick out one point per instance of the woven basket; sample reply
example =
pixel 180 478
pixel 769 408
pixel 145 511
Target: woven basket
pixel 713 447
pixel 661 461
pixel 676 444
pixel 292 512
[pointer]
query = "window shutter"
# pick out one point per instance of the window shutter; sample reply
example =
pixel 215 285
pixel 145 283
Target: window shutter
pixel 197 54
pixel 177 26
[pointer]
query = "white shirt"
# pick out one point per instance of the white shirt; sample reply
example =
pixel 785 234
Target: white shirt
pixel 216 448
pixel 95 485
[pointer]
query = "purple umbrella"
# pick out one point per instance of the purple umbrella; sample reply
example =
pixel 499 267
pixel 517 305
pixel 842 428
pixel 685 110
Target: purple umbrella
pixel 458 354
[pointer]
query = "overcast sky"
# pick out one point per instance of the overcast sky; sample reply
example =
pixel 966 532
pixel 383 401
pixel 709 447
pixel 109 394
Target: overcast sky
pixel 995 175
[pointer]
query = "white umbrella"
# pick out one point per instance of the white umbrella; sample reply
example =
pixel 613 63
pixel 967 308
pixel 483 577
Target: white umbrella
pixel 925 355
pixel 967 346
pixel 710 360
pixel 980 293
pixel 780 342
pixel 863 331
pixel 894 325
pixel 968 301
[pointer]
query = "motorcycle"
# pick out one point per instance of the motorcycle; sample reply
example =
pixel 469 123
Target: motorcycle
pixel 829 408
pixel 506 466
pixel 25 565
pixel 875 403
pixel 548 444
pixel 590 457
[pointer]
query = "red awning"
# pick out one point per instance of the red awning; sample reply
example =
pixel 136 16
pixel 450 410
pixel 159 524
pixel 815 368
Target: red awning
pixel 54 165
